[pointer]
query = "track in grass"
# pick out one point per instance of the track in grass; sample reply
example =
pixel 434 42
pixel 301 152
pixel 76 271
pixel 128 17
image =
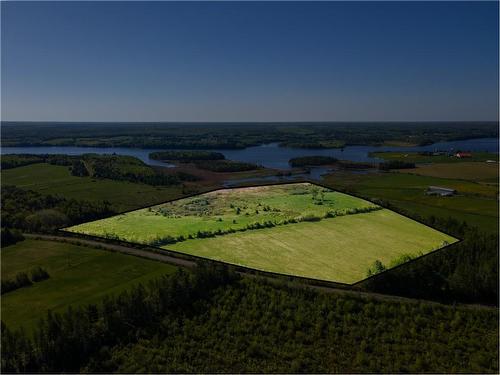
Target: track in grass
pixel 296 229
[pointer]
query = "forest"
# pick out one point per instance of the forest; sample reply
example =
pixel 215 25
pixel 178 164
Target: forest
pixel 211 320
pixel 190 136
pixel 33 212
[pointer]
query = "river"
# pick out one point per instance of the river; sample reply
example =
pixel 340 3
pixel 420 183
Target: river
pixel 269 155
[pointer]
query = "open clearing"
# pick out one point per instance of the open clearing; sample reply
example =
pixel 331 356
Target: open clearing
pixel 297 229
pixel 78 275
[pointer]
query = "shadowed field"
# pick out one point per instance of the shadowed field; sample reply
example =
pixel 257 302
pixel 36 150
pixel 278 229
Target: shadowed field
pixel 78 276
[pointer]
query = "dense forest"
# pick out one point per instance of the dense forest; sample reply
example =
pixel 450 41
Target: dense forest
pixel 30 211
pixel 186 156
pixel 213 321
pixel 238 135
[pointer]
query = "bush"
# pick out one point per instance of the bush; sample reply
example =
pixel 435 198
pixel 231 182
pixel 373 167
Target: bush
pixel 21 280
pixel 10 236
pixel 39 274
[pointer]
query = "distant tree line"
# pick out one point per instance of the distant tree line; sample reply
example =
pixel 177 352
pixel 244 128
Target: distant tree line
pixel 305 161
pixel 186 156
pixel 18 160
pixel 225 165
pixel 212 321
pixel 114 167
pixel 236 136
pixel 395 164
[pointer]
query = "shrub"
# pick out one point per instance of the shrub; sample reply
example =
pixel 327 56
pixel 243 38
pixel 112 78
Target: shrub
pixel 39 274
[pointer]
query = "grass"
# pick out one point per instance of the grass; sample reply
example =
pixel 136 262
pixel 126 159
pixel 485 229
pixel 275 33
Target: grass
pixel 476 203
pixel 57 180
pixel 415 157
pixel 78 276
pixel 339 248
pixel 221 210
pixel 473 171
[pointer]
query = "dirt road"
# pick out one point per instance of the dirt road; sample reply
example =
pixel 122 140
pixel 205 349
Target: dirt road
pixel 155 254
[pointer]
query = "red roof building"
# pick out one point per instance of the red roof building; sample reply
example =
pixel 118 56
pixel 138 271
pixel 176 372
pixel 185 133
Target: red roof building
pixel 463 155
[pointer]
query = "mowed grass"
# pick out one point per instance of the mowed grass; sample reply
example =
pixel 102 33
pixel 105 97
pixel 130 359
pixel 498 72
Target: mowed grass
pixel 57 180
pixel 78 276
pixel 474 171
pixel 222 210
pixel 338 249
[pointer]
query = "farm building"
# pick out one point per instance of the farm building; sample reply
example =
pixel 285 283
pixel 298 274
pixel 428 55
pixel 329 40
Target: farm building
pixel 441 191
pixel 463 155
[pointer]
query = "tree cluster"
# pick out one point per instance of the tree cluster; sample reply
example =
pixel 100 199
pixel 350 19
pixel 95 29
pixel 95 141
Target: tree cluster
pixel 225 165
pixel 22 280
pixel 185 156
pixel 306 161
pixel 395 164
pixel 33 212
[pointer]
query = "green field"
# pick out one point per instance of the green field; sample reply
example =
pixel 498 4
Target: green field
pixel 415 157
pixel 476 203
pixel 223 210
pixel 339 249
pixel 473 171
pixel 57 180
pixel 78 276
pixel 313 231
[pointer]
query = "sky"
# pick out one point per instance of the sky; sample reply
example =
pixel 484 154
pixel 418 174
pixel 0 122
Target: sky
pixel 249 61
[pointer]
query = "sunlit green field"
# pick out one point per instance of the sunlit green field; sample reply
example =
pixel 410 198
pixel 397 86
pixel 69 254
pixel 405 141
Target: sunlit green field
pixel 223 210
pixel 296 229
pixel 339 249
pixel 78 276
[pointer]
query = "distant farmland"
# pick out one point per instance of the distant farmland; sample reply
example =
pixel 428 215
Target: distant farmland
pixel 296 229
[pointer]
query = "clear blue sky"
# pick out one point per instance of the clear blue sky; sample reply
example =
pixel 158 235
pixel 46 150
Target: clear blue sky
pixel 230 61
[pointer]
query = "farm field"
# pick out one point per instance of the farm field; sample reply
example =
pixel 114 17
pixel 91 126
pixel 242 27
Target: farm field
pixel 297 229
pixel 473 171
pixel 415 157
pixel 57 180
pixel 476 203
pixel 78 276
pixel 339 249
pixel 223 210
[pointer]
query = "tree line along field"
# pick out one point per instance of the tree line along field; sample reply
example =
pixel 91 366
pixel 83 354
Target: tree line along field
pixel 57 180
pixel 297 229
pixel 78 276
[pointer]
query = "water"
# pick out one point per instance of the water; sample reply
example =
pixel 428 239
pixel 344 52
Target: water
pixel 270 155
